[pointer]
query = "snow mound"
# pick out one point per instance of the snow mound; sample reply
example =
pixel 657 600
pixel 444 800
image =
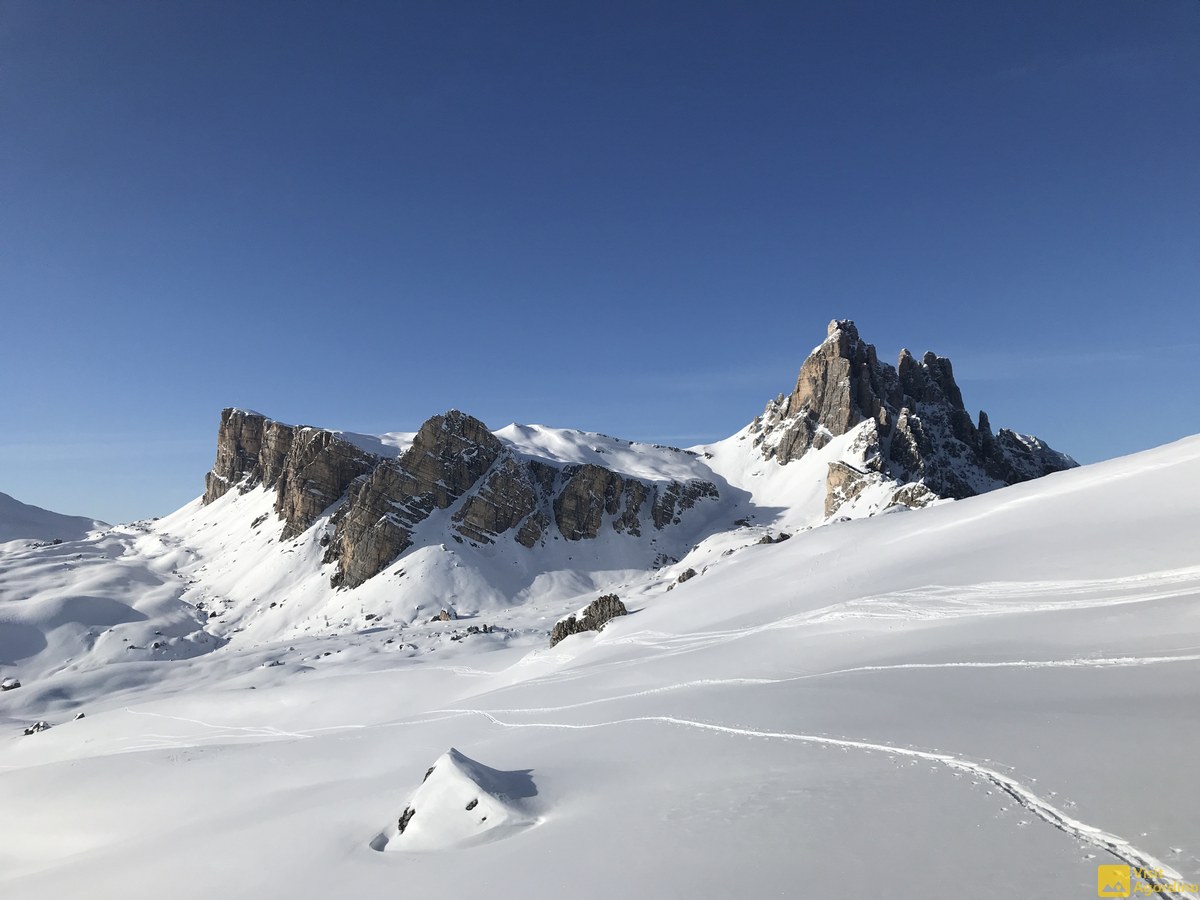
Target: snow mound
pixel 460 803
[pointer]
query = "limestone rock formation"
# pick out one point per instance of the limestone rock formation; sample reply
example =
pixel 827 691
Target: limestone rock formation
pixel 509 496
pixel 919 429
pixel 595 616
pixel 453 460
pixel 843 484
pixel 909 441
pixel 448 456
pixel 309 468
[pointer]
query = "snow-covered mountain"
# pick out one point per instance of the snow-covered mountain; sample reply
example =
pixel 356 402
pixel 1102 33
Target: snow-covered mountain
pixel 456 515
pixel 913 696
pixel 21 521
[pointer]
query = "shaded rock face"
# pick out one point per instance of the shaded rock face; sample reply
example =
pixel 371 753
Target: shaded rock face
pixel 509 496
pixel 590 491
pixel 595 616
pixel 919 428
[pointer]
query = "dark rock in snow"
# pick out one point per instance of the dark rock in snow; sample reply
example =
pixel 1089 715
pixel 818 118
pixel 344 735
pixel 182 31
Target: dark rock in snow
pixel 9 684
pixel 406 816
pixel 594 617
pixel 774 539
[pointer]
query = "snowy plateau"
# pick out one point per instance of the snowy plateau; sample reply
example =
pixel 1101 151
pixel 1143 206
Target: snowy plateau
pixel 972 669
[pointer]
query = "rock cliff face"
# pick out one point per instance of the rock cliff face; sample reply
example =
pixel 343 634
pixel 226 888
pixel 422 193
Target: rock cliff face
pixel 453 461
pixel 309 468
pixel 919 430
pixel 447 457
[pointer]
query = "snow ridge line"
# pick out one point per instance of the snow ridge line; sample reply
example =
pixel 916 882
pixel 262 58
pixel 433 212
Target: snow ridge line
pixel 1089 834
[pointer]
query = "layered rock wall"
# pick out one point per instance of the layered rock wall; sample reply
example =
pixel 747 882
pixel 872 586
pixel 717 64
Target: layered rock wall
pixel 453 460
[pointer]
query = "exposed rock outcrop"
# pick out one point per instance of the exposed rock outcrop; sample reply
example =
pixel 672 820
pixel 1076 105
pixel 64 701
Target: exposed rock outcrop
pixel 594 617
pixel 452 458
pixel 843 484
pixel 909 441
pixel 919 429
pixel 309 468
pixel 671 502
pixel 448 456
pixel 512 491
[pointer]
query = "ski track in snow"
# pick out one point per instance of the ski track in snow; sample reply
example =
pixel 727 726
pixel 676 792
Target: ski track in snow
pixel 1088 834
pixel 1092 662
pixel 223 734
pixel 1091 835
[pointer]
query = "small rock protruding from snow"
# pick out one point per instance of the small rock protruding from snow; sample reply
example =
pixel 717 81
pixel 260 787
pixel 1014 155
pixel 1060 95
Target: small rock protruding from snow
pixel 36 727
pixel 10 684
pixel 460 802
pixel 405 818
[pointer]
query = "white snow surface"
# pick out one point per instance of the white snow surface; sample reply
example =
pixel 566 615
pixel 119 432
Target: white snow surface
pixel 651 462
pixel 22 521
pixel 985 698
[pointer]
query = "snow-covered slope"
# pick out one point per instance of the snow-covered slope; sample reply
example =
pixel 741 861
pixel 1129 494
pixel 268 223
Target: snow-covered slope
pixel 987 698
pixel 21 521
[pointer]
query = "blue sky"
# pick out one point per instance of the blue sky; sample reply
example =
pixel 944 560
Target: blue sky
pixel 634 218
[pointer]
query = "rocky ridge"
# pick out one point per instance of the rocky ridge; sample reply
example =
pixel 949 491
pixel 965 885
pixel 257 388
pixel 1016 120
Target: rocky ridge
pixel 909 441
pixel 453 461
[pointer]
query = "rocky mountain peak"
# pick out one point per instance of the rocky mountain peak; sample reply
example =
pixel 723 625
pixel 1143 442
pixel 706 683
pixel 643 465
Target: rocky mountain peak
pixel 919 429
pixel 904 429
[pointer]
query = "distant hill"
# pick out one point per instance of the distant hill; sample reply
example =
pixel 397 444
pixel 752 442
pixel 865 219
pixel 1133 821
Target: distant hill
pixel 22 521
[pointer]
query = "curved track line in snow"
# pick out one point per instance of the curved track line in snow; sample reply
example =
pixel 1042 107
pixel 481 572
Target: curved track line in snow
pixel 265 731
pixel 1089 834
pixel 1100 662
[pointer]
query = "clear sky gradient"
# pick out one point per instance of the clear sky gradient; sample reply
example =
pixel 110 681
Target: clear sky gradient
pixel 634 218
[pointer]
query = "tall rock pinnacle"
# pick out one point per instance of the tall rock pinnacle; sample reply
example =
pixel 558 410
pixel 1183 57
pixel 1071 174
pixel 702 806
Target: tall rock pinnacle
pixel 919 428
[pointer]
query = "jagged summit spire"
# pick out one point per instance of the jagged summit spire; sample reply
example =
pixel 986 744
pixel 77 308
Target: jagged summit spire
pixel 920 429
pixel 842 326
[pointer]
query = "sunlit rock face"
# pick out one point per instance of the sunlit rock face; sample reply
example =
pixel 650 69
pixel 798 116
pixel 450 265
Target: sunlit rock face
pixel 920 430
